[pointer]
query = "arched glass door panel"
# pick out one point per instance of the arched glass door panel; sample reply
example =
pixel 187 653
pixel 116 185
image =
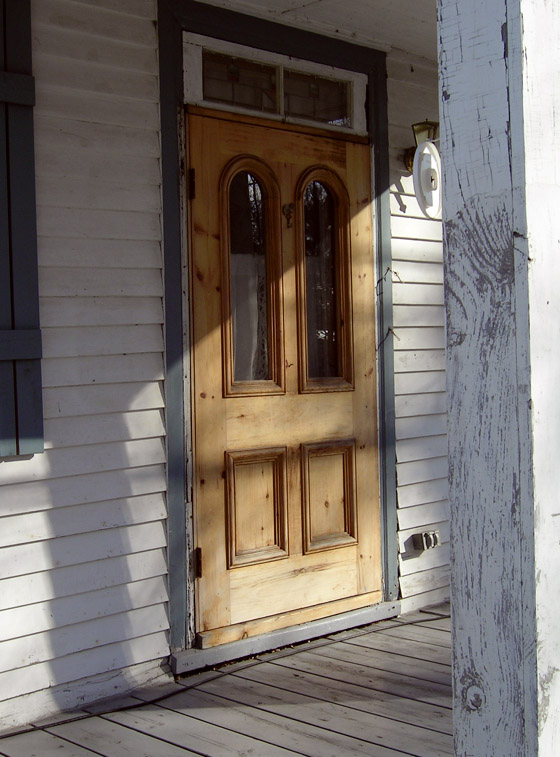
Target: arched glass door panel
pixel 251 281
pixel 324 292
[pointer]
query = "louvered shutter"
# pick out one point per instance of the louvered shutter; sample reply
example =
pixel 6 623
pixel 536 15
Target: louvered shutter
pixel 21 411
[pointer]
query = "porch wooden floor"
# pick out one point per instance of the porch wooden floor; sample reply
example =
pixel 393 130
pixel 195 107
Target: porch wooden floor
pixel 379 690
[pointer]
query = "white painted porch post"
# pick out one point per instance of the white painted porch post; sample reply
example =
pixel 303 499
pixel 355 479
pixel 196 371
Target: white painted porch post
pixel 500 95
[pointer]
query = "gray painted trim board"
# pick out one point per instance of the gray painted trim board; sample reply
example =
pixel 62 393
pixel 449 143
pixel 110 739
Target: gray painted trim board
pixel 196 659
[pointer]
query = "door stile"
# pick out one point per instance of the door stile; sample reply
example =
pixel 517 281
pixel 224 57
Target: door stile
pixel 209 421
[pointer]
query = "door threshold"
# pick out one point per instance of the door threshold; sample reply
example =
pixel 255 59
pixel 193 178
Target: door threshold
pixel 190 660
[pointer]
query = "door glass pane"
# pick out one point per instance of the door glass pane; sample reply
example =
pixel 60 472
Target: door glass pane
pixel 321 285
pixel 317 98
pixel 249 290
pixel 239 82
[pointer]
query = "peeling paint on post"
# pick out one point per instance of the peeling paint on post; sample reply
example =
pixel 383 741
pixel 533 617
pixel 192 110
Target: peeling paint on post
pixel 501 253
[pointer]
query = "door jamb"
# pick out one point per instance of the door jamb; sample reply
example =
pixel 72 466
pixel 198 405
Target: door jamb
pixel 174 17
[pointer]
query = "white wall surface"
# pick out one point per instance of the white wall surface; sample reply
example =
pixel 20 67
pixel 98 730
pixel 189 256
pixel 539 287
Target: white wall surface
pixel 419 344
pixel 82 529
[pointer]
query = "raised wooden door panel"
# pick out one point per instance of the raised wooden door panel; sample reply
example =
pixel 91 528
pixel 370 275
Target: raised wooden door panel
pixel 286 480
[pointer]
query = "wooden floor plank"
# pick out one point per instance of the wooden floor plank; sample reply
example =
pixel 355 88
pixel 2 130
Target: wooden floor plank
pixel 417 632
pixel 336 681
pixel 387 684
pixel 381 696
pixel 444 624
pixel 191 733
pixel 252 686
pixel 242 718
pixel 40 744
pixel 409 648
pixel 393 663
pixel 444 608
pixel 113 740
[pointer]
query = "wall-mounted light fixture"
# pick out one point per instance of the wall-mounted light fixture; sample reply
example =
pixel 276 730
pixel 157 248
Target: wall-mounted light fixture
pixel 424 131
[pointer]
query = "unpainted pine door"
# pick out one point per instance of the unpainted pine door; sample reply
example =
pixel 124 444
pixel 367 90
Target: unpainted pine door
pixel 286 463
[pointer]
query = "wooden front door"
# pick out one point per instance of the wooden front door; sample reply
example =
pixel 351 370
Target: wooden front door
pixel 286 502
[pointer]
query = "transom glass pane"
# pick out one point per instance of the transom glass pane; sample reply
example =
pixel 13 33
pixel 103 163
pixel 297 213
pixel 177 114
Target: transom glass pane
pixel 237 81
pixel 249 288
pixel 317 98
pixel 323 319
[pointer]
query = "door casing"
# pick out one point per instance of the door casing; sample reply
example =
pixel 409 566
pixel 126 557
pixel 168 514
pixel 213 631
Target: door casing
pixel 174 17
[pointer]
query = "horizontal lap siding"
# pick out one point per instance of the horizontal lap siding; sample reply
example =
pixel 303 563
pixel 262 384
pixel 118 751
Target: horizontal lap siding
pixel 82 532
pixel 419 343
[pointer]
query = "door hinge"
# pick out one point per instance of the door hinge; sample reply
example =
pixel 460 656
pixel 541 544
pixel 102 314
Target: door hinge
pixel 197 562
pixel 192 184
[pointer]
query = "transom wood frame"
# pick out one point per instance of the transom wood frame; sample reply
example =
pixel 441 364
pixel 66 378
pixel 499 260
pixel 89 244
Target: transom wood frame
pixel 275 327
pixel 343 277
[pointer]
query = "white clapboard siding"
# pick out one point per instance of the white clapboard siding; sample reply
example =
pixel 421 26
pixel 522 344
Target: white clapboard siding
pixel 426 338
pixel 421 448
pixel 100 282
pixel 95 108
pixel 99 311
pixel 419 360
pixel 418 340
pixel 121 654
pixel 426 425
pixel 98 21
pixel 84 537
pixel 421 493
pixel 430 558
pixel 418 315
pixel 100 252
pixel 73 550
pixel 425 581
pixel 110 427
pixel 422 381
pixel 40 495
pixel 92 77
pixel 405 293
pixel 105 398
pixel 105 224
pixel 108 369
pixel 421 470
pixel 420 515
pixel 420 404
pixel 416 249
pixel 99 194
pixel 68 43
pixel 73 581
pixel 96 516
pixel 116 340
pixel 41 647
pixel 66 611
pixel 55 463
pixel 68 134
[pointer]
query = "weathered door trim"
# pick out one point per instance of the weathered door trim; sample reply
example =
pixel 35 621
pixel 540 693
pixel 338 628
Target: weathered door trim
pixel 174 17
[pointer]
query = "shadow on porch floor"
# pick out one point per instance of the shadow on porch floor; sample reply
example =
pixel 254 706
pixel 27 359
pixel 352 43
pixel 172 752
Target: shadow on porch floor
pixel 379 690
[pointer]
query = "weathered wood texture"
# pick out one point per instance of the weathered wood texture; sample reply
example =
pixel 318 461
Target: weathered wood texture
pixel 83 525
pixel 500 107
pixel 379 690
pixel 418 341
pixel 541 137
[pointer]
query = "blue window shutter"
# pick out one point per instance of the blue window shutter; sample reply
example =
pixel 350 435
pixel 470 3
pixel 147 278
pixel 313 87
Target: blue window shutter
pixel 21 406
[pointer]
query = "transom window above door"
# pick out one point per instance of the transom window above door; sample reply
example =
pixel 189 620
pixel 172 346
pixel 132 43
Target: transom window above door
pixel 236 78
